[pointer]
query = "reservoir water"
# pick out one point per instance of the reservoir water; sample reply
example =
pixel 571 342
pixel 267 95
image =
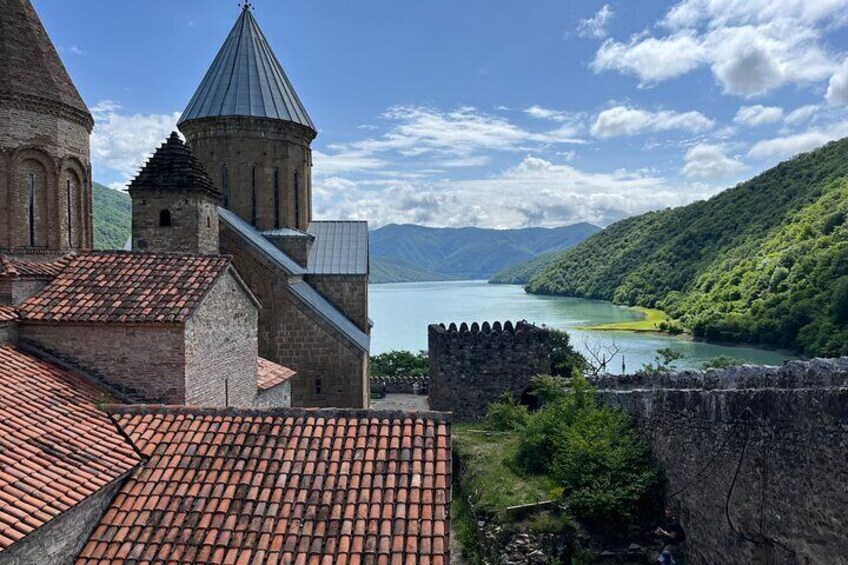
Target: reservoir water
pixel 402 312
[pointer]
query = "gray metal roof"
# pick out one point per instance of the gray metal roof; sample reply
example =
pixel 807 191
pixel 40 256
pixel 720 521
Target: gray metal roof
pixel 246 79
pixel 340 248
pixel 270 250
pixel 299 288
pixel 330 313
pixel 286 232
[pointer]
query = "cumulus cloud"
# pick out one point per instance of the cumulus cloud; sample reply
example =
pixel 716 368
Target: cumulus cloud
pixel 751 47
pixel 758 115
pixel 802 114
pixel 534 192
pixel 543 113
pixel 708 161
pixel 837 89
pixel 459 138
pixel 624 120
pixel 789 145
pixel 122 142
pixel 596 26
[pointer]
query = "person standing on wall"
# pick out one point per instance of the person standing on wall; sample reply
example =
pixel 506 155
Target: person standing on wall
pixel 672 535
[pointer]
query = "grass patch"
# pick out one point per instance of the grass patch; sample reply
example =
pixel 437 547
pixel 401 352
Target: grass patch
pixel 649 322
pixel 490 474
pixel 465 530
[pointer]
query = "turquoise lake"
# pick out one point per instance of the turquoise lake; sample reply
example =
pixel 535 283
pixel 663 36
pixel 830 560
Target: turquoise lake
pixel 402 312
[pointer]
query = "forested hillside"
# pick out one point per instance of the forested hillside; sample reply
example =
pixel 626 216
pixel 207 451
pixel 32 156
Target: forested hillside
pixel 764 262
pixel 112 217
pixel 523 272
pixel 406 252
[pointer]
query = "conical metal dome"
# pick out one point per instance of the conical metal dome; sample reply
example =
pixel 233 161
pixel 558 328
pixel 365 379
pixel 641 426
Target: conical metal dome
pixel 246 79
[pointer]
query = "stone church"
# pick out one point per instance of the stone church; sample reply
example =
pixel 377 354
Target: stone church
pixel 240 186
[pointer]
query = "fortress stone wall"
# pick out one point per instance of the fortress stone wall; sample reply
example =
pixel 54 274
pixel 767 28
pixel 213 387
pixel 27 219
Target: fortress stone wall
pixel 756 457
pixel 472 366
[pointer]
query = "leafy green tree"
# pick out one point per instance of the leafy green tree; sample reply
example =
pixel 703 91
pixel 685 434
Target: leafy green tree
pixel 400 364
pixel 565 360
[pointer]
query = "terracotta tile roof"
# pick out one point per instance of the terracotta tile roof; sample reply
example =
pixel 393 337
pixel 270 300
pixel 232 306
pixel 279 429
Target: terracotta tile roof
pixel 280 486
pixel 8 313
pixel 56 446
pixel 19 267
pixel 126 287
pixel 270 374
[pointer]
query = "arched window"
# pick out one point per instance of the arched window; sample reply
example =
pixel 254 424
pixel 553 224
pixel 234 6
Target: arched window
pixel 165 218
pixel 69 186
pixel 31 207
pixel 276 198
pixel 253 196
pixel 225 185
pixel 296 201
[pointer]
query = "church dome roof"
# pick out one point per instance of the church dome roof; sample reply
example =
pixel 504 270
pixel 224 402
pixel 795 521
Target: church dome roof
pixel 30 67
pixel 246 79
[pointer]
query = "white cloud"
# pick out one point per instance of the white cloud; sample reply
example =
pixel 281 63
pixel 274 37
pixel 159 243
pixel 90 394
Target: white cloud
pixel 790 145
pixel 706 161
pixel 596 26
pixel 542 113
pixel 535 192
pixel 623 120
pixel 837 89
pixel 122 142
pixel 802 114
pixel 751 47
pixel 758 115
pixel 457 138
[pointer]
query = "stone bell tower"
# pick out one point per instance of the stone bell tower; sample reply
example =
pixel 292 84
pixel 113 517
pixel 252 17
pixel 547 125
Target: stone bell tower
pixel 45 172
pixel 248 127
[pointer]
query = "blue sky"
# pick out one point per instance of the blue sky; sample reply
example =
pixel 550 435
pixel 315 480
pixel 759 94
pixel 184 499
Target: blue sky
pixel 476 112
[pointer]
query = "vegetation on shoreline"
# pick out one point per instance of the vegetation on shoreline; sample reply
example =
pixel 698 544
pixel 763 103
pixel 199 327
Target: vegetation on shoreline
pixel 764 262
pixel 651 320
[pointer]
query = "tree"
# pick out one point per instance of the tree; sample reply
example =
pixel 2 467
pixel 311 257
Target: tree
pixel 400 364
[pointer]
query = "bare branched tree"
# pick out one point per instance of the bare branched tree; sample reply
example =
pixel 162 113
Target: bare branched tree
pixel 600 355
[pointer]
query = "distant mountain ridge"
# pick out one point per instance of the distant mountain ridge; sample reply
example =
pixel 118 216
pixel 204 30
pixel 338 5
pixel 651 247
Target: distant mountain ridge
pixel 763 262
pixel 406 253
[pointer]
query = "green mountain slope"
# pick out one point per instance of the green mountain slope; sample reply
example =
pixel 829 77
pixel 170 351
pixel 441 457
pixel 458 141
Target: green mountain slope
pixel 388 271
pixel 112 217
pixel 465 253
pixel 763 262
pixel 523 272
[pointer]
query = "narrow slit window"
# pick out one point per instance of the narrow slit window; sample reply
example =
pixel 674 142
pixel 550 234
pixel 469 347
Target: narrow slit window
pixel 253 196
pixel 165 218
pixel 31 208
pixel 70 213
pixel 296 201
pixel 276 199
pixel 319 386
pixel 225 185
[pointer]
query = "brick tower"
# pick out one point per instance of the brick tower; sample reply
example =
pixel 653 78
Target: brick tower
pixel 174 203
pixel 247 125
pixel 45 173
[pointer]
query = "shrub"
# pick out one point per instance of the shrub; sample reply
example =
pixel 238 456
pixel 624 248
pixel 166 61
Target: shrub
pixel 591 451
pixel 565 360
pixel 506 415
pixel 400 364
pixel 721 362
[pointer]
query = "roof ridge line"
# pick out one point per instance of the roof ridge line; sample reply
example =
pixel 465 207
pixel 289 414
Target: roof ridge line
pixel 295 412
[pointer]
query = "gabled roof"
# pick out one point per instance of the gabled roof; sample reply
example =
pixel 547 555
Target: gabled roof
pixel 57 447
pixel 173 167
pixel 340 248
pixel 308 295
pixel 279 486
pixel 126 287
pixel 270 374
pixel 246 79
pixel 11 266
pixel 8 314
pixel 30 67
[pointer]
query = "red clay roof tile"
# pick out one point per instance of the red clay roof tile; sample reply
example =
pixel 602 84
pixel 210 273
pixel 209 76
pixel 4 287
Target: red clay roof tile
pixel 126 287
pixel 56 446
pixel 8 314
pixel 11 266
pixel 271 374
pixel 278 486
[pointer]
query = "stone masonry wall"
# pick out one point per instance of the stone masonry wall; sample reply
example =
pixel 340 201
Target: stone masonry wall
pixel 15 290
pixel 349 293
pixel 221 348
pixel 331 371
pixel 60 540
pixel 148 361
pixel 275 397
pixel 755 457
pixel 194 223
pixel 471 367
